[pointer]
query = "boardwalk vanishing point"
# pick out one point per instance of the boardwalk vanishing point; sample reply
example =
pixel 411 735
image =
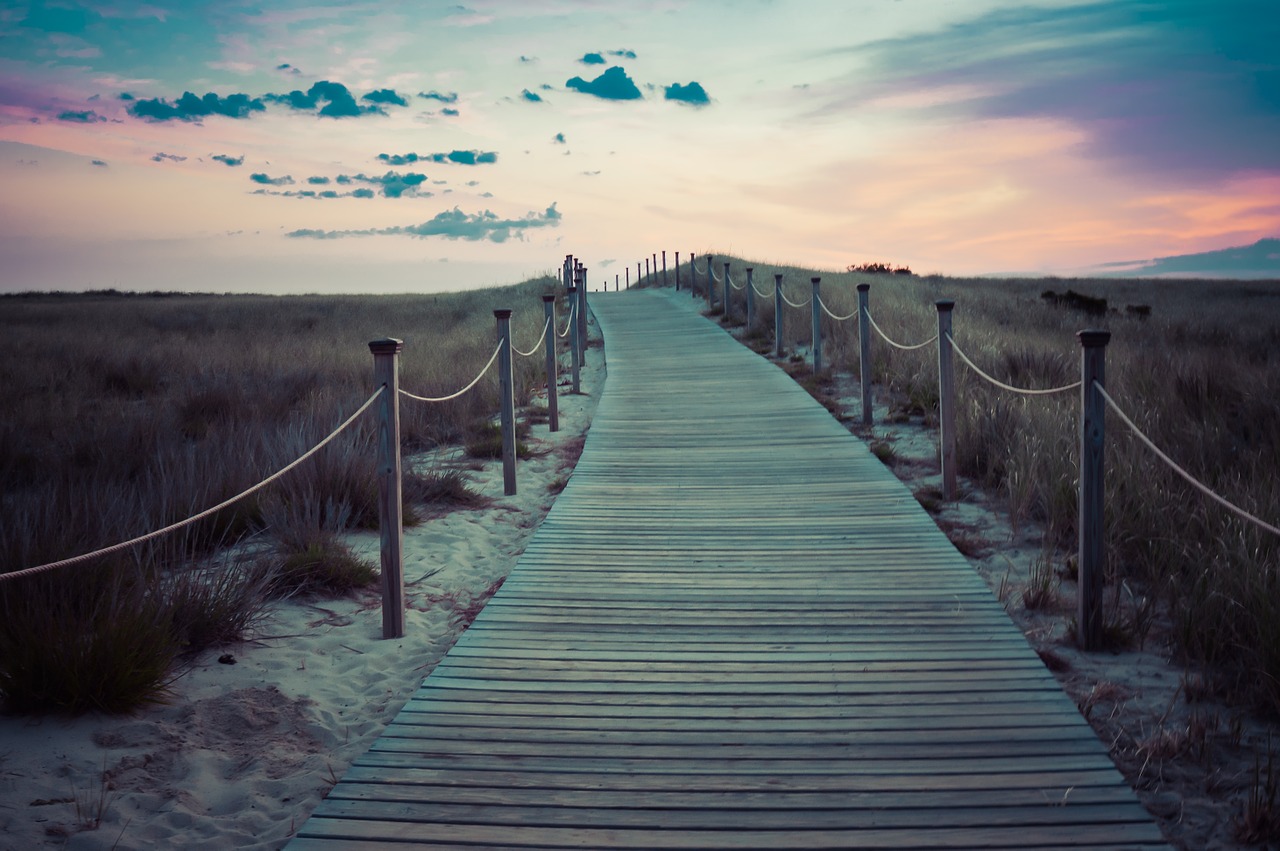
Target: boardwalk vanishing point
pixel 734 629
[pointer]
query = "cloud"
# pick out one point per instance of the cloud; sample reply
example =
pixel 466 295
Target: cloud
pixel 229 160
pixel 1177 88
pixel 337 100
pixel 191 107
pixel 531 96
pixel 592 59
pixel 558 139
pixel 288 69
pixel 613 84
pixel 450 97
pixel 385 96
pixel 452 224
pixel 161 157
pixel 458 157
pixel 317 181
pixel 625 54
pixel 99 163
pixel 448 111
pixel 126 96
pixel 692 94
pixel 259 177
pixel 87 116
pixel 528 59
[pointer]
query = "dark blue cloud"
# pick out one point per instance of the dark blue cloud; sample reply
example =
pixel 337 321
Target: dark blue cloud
pixel 692 93
pixel 317 181
pixel 161 157
pixel 1181 87
pixel 625 54
pixel 99 163
pixel 259 177
pixel 443 97
pixel 192 107
pixel 228 160
pixel 458 157
pixel 126 96
pixel 531 96
pixel 288 69
pixel 558 139
pixel 592 59
pixel 385 96
pixel 448 111
pixel 87 116
pixel 613 84
pixel 452 224
pixel 337 100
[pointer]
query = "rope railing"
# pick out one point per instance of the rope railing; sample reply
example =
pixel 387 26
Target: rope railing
pixel 804 303
pixel 735 286
pixel 546 326
pixel 573 313
pixel 434 399
pixel 719 278
pixel 1173 465
pixel 1020 390
pixel 827 311
pixel 172 527
pixel 896 344
pixel 762 295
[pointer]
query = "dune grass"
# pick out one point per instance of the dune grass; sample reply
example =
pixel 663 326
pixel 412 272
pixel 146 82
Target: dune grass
pixel 1192 362
pixel 125 413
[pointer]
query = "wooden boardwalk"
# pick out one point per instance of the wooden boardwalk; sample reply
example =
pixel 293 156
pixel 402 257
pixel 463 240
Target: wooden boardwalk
pixel 735 629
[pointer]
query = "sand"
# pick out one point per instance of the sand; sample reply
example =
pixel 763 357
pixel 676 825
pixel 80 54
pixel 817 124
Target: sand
pixel 244 752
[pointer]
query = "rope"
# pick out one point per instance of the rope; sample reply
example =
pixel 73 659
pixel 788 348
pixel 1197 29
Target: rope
pixel 804 303
pixel 823 305
pixel 735 286
pixel 719 278
pixel 762 295
pixel 1173 465
pixel 573 312
pixel 31 571
pixel 541 337
pixel 452 396
pixel 885 336
pixel 1002 385
pixel 693 265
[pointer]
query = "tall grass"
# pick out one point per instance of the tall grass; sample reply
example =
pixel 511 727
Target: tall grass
pixel 1199 376
pixel 126 413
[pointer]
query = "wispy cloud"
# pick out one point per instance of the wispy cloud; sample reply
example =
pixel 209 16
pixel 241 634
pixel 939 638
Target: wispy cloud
pixel 267 180
pixel 228 160
pixel 192 107
pixel 452 224
pixel 457 157
pixel 86 116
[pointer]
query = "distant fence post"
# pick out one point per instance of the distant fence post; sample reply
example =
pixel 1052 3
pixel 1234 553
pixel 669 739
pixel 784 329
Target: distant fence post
pixel 628 277
pixel 815 303
pixel 386 373
pixel 575 355
pixel 777 314
pixel 864 350
pixel 664 268
pixel 655 265
pixel 724 290
pixel 549 349
pixel 1093 554
pixel 646 268
pixel 751 299
pixel 711 282
pixel 677 271
pixel 946 401
pixel 508 401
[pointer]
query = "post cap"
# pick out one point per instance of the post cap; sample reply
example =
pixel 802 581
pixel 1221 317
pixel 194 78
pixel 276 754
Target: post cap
pixel 502 312
pixel 945 304
pixel 751 268
pixel 815 280
pixel 777 276
pixel 1093 338
pixel 386 346
pixel 862 288
pixel 548 297
pixel 571 289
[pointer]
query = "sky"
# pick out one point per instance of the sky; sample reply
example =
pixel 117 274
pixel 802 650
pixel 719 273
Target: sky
pixel 424 146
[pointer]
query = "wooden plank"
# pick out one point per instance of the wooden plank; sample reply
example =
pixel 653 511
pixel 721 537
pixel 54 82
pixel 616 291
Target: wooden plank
pixel 734 629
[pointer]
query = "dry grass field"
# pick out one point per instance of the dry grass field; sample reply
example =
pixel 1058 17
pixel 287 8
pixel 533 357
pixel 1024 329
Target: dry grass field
pixel 124 413
pixel 1197 372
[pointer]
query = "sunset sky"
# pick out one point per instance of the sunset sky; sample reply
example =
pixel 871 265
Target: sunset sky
pixel 385 147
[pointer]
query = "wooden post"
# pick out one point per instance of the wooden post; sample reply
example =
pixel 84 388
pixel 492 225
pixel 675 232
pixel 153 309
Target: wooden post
pixel 725 292
pixel 751 299
pixel 582 314
pixel 574 353
pixel 946 401
pixel 777 314
pixel 664 268
pixel 628 277
pixel 864 350
pixel 386 374
pixel 646 268
pixel 711 280
pixel 568 270
pixel 638 278
pixel 655 265
pixel 815 305
pixel 693 274
pixel 617 283
pixel 506 388
pixel 677 271
pixel 1093 552
pixel 549 348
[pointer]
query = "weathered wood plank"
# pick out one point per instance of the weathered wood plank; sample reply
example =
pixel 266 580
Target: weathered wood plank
pixel 734 630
